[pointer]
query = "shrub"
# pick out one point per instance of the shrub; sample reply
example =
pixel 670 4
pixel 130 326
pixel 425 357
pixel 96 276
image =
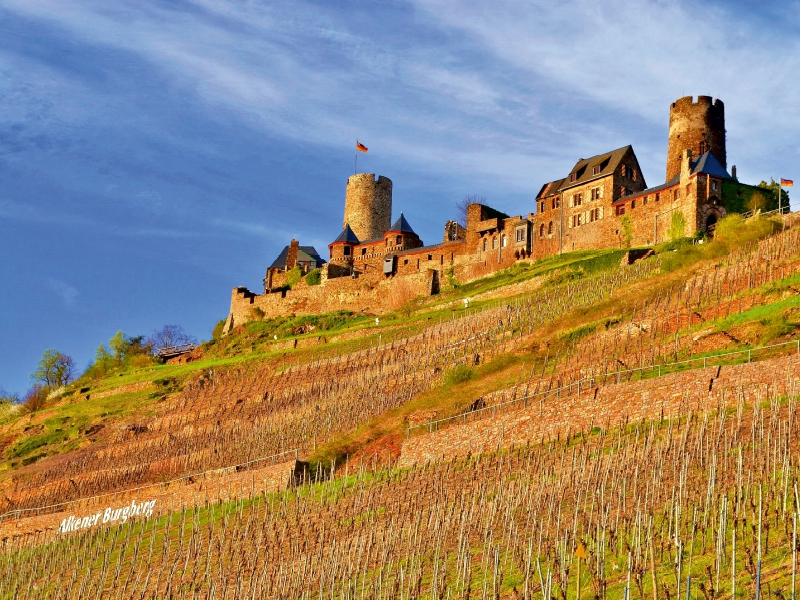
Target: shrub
pixel 459 374
pixel 627 230
pixel 257 314
pixel 294 276
pixel 677 226
pixel 314 277
pixel 216 333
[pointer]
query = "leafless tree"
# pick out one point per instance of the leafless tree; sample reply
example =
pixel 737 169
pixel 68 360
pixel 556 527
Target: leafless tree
pixel 463 204
pixel 170 335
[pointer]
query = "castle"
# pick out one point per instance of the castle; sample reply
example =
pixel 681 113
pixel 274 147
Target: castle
pixel 603 202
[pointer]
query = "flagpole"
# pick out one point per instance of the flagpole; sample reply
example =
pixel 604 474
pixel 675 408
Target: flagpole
pixel 355 159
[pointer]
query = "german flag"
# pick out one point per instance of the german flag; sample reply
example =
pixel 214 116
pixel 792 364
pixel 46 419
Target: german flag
pixel 361 147
pixel 786 182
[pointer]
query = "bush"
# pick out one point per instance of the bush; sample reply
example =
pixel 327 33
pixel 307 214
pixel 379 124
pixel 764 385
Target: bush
pixel 314 277
pixel 731 232
pixel 216 333
pixel 677 226
pixel 459 374
pixel 257 314
pixel 294 276
pixel 627 230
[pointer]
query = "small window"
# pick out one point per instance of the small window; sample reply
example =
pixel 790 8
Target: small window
pixel 644 201
pixel 542 207
pixel 399 240
pixel 573 176
pixel 677 194
pixel 484 244
pixel 577 199
pixel 549 228
pixel 363 251
pixel 620 210
pixel 633 204
pixel 596 170
pixel 405 262
pixel 503 241
pixel 430 256
pixel 595 194
pixel 657 196
pixel 702 148
pixel 521 234
pixel 541 231
pixel 557 202
pixel 494 243
pixel 688 189
pixel 347 250
pixel 713 185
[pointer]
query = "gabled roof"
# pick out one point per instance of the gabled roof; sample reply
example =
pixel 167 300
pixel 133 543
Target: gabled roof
pixel 401 226
pixel 584 168
pixel 304 254
pixel 347 235
pixel 548 189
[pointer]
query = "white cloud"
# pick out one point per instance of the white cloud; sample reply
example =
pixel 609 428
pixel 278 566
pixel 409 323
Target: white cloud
pixel 62 289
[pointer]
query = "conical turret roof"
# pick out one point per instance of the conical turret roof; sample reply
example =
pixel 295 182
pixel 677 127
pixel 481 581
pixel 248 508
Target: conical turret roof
pixel 402 226
pixel 347 235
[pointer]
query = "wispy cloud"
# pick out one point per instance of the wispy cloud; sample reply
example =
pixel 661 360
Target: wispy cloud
pixel 68 293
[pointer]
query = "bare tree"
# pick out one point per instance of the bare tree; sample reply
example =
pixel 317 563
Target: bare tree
pixel 463 205
pixel 170 336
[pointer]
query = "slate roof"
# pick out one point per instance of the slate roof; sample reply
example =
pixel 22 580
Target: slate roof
pixel 304 254
pixel 347 235
pixel 705 163
pixel 548 189
pixel 584 168
pixel 402 226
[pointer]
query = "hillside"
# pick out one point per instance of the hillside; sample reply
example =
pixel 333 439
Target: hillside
pixel 446 449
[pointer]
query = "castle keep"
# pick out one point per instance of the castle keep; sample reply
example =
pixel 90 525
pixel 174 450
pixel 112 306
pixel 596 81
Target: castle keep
pixel 602 202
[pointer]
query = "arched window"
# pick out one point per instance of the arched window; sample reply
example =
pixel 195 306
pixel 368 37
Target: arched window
pixel 549 228
pixel 484 244
pixel 494 243
pixel 503 241
pixel 541 230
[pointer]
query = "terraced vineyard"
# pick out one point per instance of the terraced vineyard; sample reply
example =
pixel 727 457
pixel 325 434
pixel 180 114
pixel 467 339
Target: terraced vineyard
pixel 654 467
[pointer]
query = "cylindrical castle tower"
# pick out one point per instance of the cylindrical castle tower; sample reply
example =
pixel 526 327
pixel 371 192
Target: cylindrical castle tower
pixel 368 205
pixel 697 126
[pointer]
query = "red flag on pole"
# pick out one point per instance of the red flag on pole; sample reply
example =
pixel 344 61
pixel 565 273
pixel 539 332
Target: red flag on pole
pixel 786 182
pixel 361 147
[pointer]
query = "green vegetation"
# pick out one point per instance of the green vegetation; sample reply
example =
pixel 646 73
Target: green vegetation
pixel 677 226
pixel 293 276
pixel 626 227
pixel 458 374
pixel 314 277
pixel 731 232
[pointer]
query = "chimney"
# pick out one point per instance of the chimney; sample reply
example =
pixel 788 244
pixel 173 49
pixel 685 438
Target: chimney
pixel 733 171
pixel 291 257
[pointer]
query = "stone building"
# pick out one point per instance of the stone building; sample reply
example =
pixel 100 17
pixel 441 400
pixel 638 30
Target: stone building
pixel 306 258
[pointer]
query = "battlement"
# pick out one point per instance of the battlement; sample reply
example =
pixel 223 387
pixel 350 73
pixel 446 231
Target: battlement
pixel 688 101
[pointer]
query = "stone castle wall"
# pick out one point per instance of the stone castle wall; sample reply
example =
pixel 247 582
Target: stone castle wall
pixel 368 205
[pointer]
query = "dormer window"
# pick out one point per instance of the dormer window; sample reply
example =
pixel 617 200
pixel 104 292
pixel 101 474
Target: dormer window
pixel 573 176
pixel 596 170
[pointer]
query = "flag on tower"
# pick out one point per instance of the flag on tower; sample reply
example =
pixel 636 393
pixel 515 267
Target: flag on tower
pixel 361 147
pixel 786 182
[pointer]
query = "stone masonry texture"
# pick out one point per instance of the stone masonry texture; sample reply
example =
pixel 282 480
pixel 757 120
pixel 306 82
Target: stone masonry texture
pixel 692 124
pixel 368 205
pixel 677 393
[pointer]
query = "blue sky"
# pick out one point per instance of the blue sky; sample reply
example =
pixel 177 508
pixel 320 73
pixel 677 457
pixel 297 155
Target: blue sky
pixel 153 155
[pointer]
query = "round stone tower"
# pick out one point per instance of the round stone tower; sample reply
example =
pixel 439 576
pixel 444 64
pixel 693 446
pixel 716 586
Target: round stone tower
pixel 368 205
pixel 697 126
